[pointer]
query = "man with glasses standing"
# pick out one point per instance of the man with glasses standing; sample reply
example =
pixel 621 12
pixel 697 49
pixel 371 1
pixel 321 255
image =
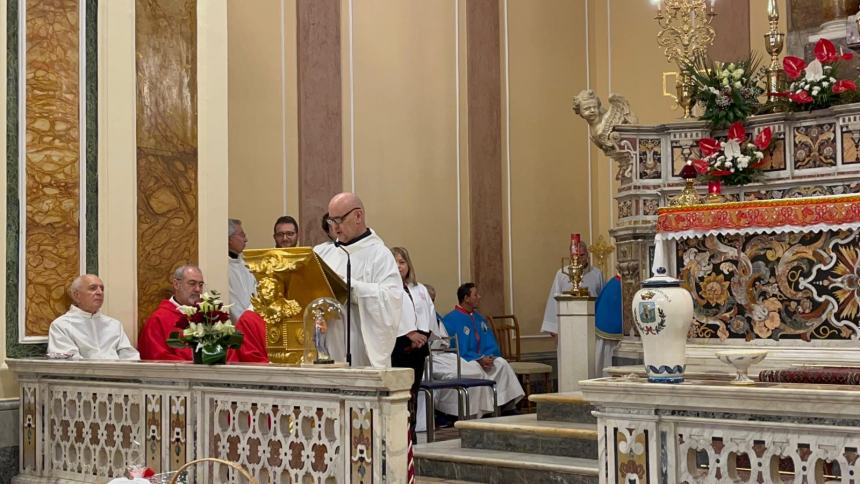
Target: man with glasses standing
pixel 166 319
pixel 286 232
pixel 377 289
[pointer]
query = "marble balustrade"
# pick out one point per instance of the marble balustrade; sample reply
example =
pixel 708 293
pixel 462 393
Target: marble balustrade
pixel 709 431
pixel 85 421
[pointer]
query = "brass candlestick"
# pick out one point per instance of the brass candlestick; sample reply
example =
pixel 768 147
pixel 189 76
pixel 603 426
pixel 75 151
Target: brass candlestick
pixel 574 272
pixel 685 32
pixel 773 42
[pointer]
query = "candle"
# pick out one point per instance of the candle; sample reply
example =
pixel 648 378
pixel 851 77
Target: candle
pixel 772 9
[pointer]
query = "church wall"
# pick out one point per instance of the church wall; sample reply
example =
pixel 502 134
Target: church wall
pixel 257 127
pixel 548 143
pixel 403 159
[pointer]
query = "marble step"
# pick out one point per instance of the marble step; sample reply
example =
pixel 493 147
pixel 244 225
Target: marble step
pixel 449 461
pixel 563 407
pixel 528 435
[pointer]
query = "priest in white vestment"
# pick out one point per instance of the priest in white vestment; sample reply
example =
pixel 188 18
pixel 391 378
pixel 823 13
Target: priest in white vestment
pixel 592 280
pixel 377 290
pixel 242 283
pixel 84 332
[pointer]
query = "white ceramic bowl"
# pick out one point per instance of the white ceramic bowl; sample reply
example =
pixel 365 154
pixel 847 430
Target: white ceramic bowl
pixel 741 360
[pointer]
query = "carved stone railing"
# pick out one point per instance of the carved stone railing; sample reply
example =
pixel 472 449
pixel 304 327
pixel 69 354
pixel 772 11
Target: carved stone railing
pixel 815 153
pixel 711 431
pixel 85 421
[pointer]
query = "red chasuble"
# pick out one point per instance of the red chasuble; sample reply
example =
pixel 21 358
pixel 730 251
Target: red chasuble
pixel 152 342
pixel 253 348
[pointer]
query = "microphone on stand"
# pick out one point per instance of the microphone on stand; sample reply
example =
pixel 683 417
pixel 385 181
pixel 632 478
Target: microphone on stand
pixel 348 302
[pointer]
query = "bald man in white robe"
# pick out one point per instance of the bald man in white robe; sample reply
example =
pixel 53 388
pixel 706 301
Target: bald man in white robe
pixel 377 289
pixel 84 332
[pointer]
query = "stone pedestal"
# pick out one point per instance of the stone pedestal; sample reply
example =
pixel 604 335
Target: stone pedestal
pixel 575 341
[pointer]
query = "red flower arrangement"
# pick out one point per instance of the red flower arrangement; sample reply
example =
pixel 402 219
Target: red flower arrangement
pixel 816 85
pixel 736 160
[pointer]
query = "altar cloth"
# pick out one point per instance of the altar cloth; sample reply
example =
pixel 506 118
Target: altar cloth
pixel 813 214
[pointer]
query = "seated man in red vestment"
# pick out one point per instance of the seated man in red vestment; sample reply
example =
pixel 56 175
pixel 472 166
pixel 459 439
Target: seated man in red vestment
pixel 253 327
pixel 166 319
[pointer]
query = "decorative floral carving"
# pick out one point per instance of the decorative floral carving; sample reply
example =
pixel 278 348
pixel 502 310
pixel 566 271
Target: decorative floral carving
pixel 715 289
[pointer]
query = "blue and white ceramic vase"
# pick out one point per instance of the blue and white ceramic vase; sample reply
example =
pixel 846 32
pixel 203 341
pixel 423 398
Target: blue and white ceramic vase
pixel 663 312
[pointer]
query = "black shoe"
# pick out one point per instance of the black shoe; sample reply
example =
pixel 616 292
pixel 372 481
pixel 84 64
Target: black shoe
pixel 510 411
pixel 444 421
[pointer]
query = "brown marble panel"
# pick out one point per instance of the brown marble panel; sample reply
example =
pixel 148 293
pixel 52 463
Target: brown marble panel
pixel 319 112
pixel 166 48
pixel 732 25
pixel 483 64
pixel 52 172
pixel 805 14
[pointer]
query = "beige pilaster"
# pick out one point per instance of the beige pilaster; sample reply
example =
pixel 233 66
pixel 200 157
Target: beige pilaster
pixel 212 141
pixel 117 165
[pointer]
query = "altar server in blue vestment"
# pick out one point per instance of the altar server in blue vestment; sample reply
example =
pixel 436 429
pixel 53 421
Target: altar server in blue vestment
pixel 607 319
pixel 478 344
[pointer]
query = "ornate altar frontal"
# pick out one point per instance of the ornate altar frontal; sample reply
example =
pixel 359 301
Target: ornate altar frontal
pixel 287 281
pixel 815 155
pixel 768 269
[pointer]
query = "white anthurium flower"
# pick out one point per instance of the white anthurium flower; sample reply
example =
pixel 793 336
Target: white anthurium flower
pixel 738 74
pixel 725 81
pixel 815 90
pixel 738 85
pixel 187 310
pixel 814 71
pixel 732 148
pixel 759 155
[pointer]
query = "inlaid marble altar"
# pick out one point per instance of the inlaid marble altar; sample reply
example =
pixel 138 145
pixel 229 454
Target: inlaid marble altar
pixel 708 431
pixel 85 421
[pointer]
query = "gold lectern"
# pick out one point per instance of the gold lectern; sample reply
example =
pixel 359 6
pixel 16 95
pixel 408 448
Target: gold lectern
pixel 287 281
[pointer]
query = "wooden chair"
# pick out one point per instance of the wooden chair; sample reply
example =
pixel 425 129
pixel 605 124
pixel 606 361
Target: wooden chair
pixel 506 328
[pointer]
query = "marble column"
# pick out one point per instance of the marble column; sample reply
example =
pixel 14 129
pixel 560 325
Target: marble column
pixel 575 341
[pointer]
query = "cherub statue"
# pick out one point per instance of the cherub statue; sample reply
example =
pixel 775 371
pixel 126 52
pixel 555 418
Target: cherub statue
pixel 602 121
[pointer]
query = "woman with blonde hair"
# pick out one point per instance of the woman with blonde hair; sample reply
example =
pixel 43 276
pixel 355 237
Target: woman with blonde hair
pixel 411 347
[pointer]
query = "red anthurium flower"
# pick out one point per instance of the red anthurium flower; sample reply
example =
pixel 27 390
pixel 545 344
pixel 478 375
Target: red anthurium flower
pixel 763 138
pixel 802 98
pixel 793 66
pixel 147 473
pixel 825 51
pixel 721 173
pixel 779 94
pixel 736 131
pixel 709 146
pixel 701 166
pixel 844 85
pixel 847 56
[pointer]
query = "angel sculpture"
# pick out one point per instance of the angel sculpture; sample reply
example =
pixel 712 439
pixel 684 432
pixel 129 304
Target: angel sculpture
pixel 602 121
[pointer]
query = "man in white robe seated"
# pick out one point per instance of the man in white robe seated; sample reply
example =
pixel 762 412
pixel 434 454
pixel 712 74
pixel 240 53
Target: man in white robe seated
pixel 242 283
pixel 377 289
pixel 85 333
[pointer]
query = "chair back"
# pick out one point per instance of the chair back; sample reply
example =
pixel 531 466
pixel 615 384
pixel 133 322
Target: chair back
pixel 506 328
pixel 453 347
